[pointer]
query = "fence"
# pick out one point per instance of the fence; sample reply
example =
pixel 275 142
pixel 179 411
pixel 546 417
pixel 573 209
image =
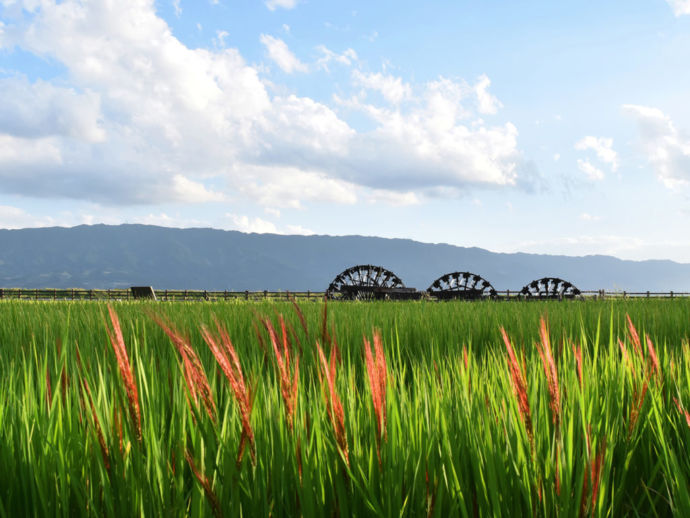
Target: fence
pixel 206 295
pixel 164 295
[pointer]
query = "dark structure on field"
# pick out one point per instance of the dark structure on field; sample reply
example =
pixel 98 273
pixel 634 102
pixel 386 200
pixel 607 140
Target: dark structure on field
pixel 549 288
pixel 143 292
pixel 461 285
pixel 368 282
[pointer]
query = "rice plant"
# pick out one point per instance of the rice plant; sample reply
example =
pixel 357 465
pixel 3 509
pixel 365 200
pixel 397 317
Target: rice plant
pixel 369 409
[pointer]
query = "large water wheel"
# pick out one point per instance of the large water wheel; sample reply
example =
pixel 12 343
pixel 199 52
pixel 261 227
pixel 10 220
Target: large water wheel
pixel 549 288
pixel 367 282
pixel 461 285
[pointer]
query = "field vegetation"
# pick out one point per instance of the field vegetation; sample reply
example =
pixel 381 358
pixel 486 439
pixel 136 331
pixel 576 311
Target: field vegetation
pixel 353 409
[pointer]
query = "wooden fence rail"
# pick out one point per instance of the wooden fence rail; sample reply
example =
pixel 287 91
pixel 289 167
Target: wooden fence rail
pixel 208 295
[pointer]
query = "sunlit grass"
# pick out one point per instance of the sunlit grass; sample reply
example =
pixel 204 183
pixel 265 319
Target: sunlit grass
pixel 264 409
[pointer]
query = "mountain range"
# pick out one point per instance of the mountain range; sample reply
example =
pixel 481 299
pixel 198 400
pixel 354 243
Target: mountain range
pixel 119 256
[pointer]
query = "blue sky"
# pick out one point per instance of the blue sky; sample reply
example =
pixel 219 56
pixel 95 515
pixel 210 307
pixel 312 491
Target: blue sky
pixel 548 127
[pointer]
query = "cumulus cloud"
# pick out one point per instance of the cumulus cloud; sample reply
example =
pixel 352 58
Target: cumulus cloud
pixel 666 148
pixel 488 104
pixel 40 109
pixel 347 58
pixel 14 217
pixel 680 7
pixel 393 89
pixel 257 225
pixel 437 145
pixel 139 118
pixel 602 146
pixel 253 225
pixel 284 4
pixel 281 55
pixel 592 172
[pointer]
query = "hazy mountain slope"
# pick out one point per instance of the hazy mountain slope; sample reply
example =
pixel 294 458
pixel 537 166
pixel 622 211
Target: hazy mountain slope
pixel 101 256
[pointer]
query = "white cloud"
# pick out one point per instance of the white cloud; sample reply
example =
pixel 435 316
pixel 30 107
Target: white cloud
pixel 246 224
pixel 40 109
pixel 177 7
pixel 139 118
pixel 602 146
pixel 592 172
pixel 488 104
pixel 556 157
pixel 285 4
pixel 287 187
pixel 14 217
pixel 393 89
pixel 279 53
pixel 665 147
pixel 220 38
pixel 348 57
pixel 585 216
pixel 393 198
pixel 188 191
pixel 298 230
pixel 680 7
pixel 437 145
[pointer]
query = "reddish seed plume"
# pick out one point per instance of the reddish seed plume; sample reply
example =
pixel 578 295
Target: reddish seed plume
pixel 205 484
pixel 377 372
pixel 634 336
pixel 300 315
pixel 544 349
pixel 333 404
pixel 126 371
pixel 626 357
pixel 653 358
pixel 195 377
pixel 287 378
pixel 225 354
pixel 519 385
pixel 682 411
pixel 638 400
pixel 597 466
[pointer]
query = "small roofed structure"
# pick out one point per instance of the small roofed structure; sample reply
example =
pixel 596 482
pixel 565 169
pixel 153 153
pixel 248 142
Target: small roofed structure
pixel 143 292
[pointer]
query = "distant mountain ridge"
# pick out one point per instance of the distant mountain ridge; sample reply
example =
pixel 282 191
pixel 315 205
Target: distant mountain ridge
pixel 105 256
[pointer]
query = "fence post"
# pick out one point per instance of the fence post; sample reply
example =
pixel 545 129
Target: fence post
pixel 246 294
pixel 287 295
pixel 507 294
pixel 265 294
pixel 36 294
pixel 625 294
pixel 308 294
pixel 72 293
pixel 2 293
pixel 225 295
pixel 54 294
pixel 671 293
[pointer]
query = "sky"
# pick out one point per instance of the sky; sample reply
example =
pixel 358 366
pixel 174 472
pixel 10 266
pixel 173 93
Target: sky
pixel 540 126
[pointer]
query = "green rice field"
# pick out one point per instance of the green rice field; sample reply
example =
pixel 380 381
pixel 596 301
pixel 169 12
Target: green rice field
pixel 235 409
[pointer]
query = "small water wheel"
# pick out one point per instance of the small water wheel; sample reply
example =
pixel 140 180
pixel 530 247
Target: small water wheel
pixel 365 282
pixel 549 288
pixel 461 285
